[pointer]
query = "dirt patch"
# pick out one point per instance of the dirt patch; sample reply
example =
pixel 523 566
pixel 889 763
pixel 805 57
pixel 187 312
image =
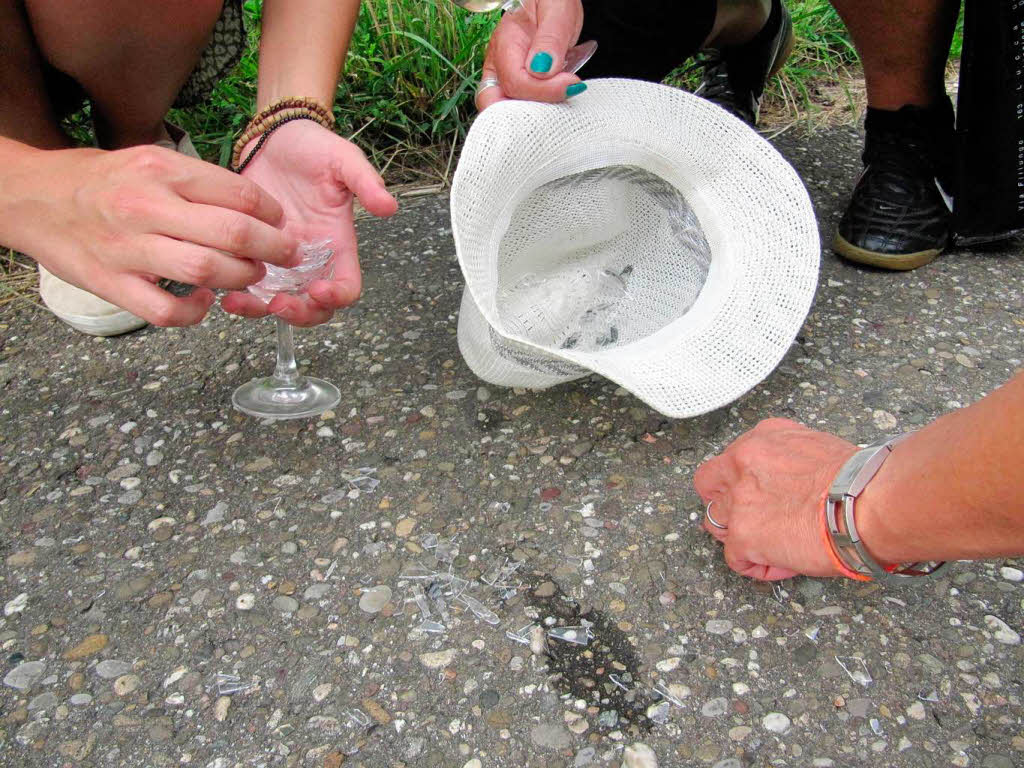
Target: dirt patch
pixel 604 672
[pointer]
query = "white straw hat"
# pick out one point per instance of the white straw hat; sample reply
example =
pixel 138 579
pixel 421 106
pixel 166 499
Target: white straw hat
pixel 638 232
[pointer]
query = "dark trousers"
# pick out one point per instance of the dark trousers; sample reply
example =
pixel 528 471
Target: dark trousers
pixel 644 39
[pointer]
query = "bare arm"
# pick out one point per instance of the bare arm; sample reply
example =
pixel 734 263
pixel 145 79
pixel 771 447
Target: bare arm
pixel 113 222
pixel 311 171
pixel 954 490
pixel 303 47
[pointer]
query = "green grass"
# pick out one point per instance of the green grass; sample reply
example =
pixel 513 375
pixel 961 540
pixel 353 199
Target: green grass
pixel 406 95
pixel 823 52
pixel 407 92
pixel 958 37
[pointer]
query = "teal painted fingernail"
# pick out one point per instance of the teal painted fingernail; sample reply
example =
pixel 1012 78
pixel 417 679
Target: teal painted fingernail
pixel 541 62
pixel 575 89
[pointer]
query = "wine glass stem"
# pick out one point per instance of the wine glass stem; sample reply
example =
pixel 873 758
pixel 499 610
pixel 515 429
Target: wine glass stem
pixel 286 374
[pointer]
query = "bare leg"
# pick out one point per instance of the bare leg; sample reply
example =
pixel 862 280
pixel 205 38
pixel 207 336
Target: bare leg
pixel 897 217
pixel 26 112
pixel 903 47
pixel 131 58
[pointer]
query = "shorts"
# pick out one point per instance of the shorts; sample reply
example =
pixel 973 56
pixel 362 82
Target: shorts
pixel 644 39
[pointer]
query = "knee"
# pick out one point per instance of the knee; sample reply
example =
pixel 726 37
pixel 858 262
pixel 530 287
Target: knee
pixel 101 30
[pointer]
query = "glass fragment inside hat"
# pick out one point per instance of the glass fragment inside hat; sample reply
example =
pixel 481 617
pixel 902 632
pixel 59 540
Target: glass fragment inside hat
pixel 599 259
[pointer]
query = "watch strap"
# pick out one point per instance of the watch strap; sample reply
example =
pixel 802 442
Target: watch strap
pixel 841 523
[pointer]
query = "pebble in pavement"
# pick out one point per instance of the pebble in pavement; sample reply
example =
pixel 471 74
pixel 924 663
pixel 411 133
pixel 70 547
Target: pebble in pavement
pixel 140 507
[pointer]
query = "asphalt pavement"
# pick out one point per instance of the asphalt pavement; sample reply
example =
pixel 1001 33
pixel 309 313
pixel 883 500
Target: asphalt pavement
pixel 186 585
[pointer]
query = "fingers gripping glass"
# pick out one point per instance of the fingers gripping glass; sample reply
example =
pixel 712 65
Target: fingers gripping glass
pixel 287 394
pixel 575 57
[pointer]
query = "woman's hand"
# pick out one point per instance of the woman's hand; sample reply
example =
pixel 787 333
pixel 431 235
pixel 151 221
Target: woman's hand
pixel 113 223
pixel 527 50
pixel 314 174
pixel 769 489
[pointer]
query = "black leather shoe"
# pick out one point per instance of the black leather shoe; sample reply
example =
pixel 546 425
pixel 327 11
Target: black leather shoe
pixel 734 78
pixel 899 213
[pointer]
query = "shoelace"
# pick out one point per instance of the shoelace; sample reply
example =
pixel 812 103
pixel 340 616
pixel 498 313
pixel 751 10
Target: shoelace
pixel 897 160
pixel 910 153
pixel 715 85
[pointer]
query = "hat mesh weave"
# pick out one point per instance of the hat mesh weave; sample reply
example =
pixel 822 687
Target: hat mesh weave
pixel 599 259
pixel 691 234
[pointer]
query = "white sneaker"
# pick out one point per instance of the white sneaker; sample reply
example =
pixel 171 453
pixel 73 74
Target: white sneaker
pixel 82 310
pixel 179 141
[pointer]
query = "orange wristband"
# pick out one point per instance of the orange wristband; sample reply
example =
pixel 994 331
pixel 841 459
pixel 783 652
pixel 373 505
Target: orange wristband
pixel 837 561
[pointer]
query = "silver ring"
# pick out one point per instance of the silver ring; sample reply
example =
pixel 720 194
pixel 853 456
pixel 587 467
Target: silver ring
pixel 707 514
pixel 487 82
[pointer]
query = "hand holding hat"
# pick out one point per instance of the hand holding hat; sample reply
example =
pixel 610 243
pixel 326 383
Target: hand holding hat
pixel 637 232
pixel 526 54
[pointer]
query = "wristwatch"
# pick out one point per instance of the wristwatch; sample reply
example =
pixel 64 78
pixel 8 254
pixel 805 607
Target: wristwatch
pixel 854 476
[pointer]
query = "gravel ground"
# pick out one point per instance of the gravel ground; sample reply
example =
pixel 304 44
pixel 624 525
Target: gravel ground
pixel 153 539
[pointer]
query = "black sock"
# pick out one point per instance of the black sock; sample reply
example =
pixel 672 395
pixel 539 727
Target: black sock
pixel 934 122
pixel 931 127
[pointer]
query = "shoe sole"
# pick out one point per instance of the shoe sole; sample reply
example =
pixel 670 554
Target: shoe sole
pixel 894 261
pixel 107 325
pixel 786 49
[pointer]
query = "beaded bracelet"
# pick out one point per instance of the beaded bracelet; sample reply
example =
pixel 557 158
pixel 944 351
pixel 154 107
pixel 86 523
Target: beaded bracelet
pixel 239 167
pixel 274 116
pixel 314 109
pixel 294 103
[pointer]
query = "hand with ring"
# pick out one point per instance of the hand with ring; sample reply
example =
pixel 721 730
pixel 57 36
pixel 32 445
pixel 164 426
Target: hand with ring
pixel 711 520
pixel 487 82
pixel 526 54
pixel 765 496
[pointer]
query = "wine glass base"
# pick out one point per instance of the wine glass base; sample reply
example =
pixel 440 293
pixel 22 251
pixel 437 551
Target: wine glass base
pixel 266 398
